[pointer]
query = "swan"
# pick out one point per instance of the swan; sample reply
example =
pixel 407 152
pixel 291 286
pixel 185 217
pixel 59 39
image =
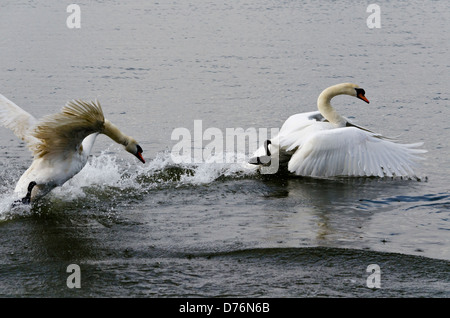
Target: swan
pixel 325 144
pixel 60 143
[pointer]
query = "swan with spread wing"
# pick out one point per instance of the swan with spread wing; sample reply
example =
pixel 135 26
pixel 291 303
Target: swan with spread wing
pixel 60 143
pixel 325 144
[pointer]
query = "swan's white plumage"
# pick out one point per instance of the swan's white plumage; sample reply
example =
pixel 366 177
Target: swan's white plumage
pixel 61 142
pixel 352 152
pixel 325 144
pixel 16 119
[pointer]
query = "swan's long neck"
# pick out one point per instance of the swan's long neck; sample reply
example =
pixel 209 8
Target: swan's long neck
pixel 325 108
pixel 115 134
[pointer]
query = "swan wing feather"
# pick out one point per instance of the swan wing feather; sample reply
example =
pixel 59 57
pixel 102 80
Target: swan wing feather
pixel 64 132
pixel 16 119
pixel 351 151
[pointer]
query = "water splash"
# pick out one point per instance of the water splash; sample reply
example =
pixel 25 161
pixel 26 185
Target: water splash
pixel 108 177
pixel 8 176
pixel 162 171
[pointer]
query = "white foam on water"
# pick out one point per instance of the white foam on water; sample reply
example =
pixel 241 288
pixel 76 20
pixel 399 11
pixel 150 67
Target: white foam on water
pixel 101 171
pixel 8 206
pixel 107 171
pixel 216 166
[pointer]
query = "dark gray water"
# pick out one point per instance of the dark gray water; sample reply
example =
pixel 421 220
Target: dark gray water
pixel 209 229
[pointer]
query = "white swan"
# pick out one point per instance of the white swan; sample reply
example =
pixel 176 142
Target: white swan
pixel 61 143
pixel 325 144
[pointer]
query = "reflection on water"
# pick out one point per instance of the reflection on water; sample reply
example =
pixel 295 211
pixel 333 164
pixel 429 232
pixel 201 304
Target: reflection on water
pixel 329 212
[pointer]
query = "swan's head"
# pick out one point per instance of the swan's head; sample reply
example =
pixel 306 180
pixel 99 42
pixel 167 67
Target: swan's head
pixel 324 106
pixel 360 93
pixel 355 90
pixel 135 150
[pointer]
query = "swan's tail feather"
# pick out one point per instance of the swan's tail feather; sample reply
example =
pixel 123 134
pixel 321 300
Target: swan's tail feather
pixel 67 129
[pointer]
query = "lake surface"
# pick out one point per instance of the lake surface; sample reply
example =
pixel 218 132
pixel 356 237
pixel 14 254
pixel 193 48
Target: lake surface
pixel 210 229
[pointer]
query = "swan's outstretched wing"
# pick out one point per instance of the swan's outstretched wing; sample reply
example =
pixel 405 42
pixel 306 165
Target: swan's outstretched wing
pixel 62 133
pixel 353 152
pixel 16 119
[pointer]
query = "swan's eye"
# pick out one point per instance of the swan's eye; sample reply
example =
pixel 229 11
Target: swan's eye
pixel 360 91
pixel 139 149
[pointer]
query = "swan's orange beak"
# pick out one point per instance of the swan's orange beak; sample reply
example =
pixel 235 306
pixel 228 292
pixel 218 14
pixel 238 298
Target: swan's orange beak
pixel 361 96
pixel 139 156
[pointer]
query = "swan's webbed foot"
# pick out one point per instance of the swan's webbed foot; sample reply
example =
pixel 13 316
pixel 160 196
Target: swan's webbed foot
pixel 26 199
